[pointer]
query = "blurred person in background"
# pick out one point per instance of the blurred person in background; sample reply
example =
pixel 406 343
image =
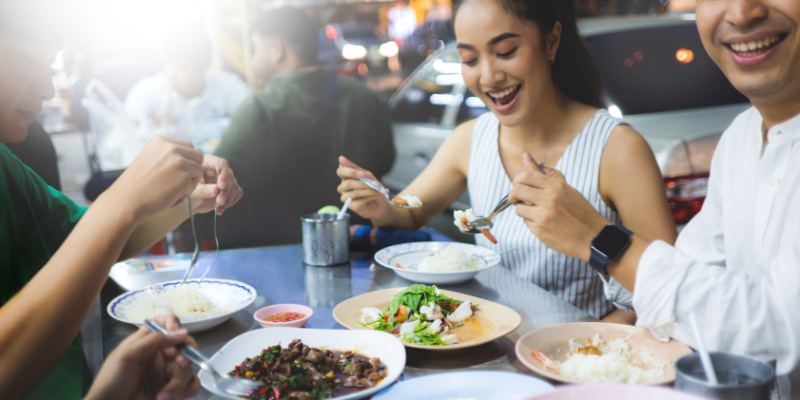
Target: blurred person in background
pixel 187 94
pixel 284 141
pixel 55 256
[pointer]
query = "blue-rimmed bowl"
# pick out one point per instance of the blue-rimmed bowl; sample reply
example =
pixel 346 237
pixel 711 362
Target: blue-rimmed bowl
pixel 409 255
pixel 231 296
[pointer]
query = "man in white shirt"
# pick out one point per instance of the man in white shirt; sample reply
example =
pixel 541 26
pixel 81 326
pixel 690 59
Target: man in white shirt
pixel 187 95
pixel 736 266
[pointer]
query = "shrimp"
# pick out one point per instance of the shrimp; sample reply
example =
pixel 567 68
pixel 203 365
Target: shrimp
pixel 545 360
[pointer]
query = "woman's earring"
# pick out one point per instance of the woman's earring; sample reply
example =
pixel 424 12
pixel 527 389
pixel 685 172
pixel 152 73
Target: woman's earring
pixel 553 60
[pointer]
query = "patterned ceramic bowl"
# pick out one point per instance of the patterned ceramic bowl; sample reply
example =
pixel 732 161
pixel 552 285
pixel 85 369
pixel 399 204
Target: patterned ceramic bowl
pixel 404 258
pixel 229 296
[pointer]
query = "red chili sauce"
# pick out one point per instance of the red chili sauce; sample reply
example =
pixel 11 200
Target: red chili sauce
pixel 284 317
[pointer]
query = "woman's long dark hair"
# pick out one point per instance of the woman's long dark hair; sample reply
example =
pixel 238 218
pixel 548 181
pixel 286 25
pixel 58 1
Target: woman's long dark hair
pixel 574 71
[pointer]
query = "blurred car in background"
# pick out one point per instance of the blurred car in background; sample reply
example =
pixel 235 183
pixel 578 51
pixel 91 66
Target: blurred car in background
pixel 427 38
pixel 656 75
pixel 355 50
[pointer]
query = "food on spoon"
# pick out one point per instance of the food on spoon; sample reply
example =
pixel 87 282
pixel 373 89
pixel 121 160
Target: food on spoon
pixel 407 200
pixel 303 372
pixel 450 259
pixel 186 302
pixel 601 362
pixel 421 314
pixel 461 218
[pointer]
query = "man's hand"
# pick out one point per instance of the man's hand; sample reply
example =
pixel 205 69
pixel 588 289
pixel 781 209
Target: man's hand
pixel 221 186
pixel 554 211
pixel 162 176
pixel 139 368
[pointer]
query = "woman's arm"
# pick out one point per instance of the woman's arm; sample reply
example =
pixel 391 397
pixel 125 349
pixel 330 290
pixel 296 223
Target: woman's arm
pixel 40 321
pixel 438 186
pixel 631 183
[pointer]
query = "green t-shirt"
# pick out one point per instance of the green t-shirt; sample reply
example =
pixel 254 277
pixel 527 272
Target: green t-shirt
pixel 34 220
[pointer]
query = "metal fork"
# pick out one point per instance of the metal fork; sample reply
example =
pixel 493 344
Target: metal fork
pixel 215 233
pixel 196 254
pixel 485 223
pixel 223 382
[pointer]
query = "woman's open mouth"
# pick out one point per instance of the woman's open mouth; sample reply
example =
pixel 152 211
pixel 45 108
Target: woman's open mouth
pixel 754 51
pixel 504 99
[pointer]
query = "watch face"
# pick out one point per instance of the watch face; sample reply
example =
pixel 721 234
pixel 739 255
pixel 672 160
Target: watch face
pixel 611 242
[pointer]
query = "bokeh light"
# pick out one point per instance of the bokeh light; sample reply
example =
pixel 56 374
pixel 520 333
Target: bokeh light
pixel 684 56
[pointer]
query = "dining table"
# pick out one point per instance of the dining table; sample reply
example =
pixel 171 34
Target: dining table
pixel 279 276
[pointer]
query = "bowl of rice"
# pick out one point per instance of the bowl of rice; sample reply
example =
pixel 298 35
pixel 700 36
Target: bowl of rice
pixel 199 307
pixel 620 354
pixel 437 263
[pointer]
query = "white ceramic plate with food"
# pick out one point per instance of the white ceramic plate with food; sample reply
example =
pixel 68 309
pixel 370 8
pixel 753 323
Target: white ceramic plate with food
pixel 484 385
pixel 367 343
pixel 554 340
pixel 404 259
pixel 225 297
pixel 491 320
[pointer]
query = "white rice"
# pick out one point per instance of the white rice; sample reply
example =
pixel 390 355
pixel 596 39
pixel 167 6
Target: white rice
pixel 450 259
pixel 615 365
pixel 184 301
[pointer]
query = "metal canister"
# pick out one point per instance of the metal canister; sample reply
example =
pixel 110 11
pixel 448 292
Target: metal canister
pixel 740 377
pixel 326 239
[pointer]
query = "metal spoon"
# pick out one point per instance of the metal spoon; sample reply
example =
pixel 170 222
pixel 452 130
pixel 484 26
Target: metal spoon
pixel 381 190
pixel 196 254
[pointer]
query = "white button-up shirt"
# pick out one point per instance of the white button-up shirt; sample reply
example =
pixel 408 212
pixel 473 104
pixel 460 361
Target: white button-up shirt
pixel 736 265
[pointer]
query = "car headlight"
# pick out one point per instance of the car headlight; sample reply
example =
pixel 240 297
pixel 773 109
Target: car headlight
pixel 353 52
pixel 389 49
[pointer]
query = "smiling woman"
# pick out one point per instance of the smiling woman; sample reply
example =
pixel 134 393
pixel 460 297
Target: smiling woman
pixel 526 62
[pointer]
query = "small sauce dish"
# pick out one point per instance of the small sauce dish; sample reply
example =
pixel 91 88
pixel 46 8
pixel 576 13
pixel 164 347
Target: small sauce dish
pixel 263 315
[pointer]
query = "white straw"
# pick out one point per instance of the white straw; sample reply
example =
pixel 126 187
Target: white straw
pixel 344 208
pixel 705 358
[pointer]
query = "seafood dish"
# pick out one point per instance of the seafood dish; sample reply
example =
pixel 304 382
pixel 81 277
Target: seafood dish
pixel 421 314
pixel 300 372
pixel 601 362
pixel 461 218
pixel 407 201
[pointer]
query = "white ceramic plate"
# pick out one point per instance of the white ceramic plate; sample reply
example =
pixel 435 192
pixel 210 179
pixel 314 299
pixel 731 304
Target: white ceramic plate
pixel 484 385
pixel 409 255
pixel 231 296
pixel 369 343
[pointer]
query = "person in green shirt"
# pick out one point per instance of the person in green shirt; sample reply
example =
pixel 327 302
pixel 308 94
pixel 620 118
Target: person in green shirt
pixel 54 255
pixel 285 141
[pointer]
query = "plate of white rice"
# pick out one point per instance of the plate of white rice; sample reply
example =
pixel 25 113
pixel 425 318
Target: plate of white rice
pixel 199 307
pixel 630 355
pixel 437 263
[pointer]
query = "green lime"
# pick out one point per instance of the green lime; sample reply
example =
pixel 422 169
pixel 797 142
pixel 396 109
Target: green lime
pixel 328 210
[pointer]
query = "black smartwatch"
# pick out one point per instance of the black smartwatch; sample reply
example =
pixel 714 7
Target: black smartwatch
pixel 608 246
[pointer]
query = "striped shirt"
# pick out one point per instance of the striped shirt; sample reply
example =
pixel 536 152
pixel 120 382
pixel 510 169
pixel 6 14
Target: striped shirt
pixel 570 279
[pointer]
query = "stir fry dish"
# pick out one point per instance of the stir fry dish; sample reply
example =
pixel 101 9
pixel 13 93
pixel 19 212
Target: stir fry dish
pixel 421 314
pixel 300 372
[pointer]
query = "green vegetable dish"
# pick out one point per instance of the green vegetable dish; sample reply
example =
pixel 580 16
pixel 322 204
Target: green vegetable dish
pixel 421 314
pixel 300 372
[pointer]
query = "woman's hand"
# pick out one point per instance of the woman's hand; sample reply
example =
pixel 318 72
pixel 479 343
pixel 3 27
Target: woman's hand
pixel 365 202
pixel 224 188
pixel 554 211
pixel 139 368
pixel 163 175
